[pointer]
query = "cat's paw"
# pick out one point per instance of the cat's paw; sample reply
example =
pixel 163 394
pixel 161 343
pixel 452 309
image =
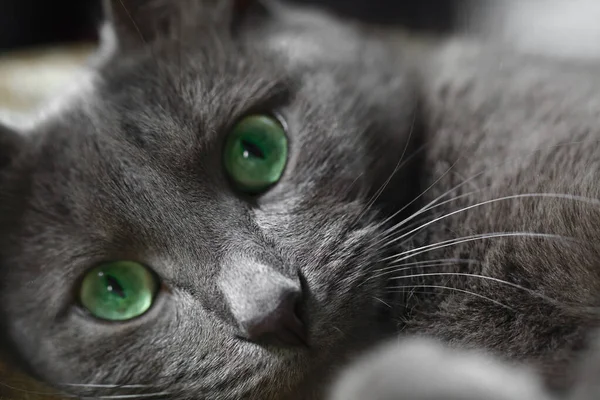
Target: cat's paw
pixel 419 369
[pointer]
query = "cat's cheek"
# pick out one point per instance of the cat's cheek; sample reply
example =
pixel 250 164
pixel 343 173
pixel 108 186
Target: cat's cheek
pixel 77 347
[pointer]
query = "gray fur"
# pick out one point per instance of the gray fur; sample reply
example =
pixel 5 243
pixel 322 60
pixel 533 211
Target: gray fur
pixel 500 125
pixel 134 171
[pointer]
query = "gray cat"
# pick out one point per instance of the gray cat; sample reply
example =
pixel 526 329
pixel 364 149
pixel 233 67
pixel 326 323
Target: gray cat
pixel 250 195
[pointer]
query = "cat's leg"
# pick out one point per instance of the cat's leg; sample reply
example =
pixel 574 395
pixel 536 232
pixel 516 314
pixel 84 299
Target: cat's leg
pixel 419 369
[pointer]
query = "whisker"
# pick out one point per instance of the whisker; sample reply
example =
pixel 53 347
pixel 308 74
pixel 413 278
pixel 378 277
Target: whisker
pixel 108 386
pixel 532 153
pixel 397 168
pixel 453 289
pixel 394 269
pixel 424 192
pixel 434 204
pixel 417 264
pixel 382 302
pixel 16 389
pixel 497 200
pixel 486 278
pixel 131 388
pixel 452 242
pixel 135 25
pixel 415 214
pixel 348 190
pixel 464 179
pixel 390 233
pixel 468 180
pixel 174 85
pixel 431 206
pixel 130 396
pixel 460 274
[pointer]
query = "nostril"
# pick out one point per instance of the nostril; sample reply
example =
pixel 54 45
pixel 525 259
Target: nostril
pixel 279 322
pixel 299 309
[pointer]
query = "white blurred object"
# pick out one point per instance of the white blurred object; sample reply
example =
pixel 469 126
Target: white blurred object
pixel 421 369
pixel 36 83
pixel 566 28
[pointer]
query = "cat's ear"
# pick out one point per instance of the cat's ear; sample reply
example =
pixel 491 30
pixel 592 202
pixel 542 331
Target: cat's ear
pixel 139 22
pixel 11 144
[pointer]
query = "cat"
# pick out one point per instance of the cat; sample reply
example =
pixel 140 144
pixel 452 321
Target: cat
pixel 131 170
pixel 156 244
pixel 509 127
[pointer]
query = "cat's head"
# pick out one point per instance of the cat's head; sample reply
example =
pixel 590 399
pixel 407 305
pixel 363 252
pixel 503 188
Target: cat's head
pixel 202 221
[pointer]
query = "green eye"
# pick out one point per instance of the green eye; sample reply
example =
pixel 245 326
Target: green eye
pixel 118 291
pixel 256 153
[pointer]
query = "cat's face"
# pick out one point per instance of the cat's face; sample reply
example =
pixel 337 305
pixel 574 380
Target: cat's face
pixel 137 171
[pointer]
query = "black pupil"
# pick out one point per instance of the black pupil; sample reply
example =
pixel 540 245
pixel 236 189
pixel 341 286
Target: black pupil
pixel 253 149
pixel 114 286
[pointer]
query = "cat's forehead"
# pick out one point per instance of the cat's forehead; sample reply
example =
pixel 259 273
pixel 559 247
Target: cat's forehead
pixel 209 77
pixel 166 101
pixel 146 143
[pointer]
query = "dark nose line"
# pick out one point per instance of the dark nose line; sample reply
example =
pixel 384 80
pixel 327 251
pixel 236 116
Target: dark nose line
pixel 281 323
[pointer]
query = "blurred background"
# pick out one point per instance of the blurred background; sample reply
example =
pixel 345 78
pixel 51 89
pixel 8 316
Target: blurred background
pixel 25 23
pixel 44 43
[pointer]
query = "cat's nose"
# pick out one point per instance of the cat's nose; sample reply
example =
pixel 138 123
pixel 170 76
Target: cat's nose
pixel 266 304
pixel 279 323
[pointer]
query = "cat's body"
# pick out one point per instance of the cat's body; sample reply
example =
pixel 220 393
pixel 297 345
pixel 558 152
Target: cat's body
pixel 516 240
pixel 133 171
pixel 504 130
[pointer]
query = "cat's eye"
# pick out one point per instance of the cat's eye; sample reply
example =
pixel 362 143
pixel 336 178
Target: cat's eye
pixel 118 291
pixel 255 153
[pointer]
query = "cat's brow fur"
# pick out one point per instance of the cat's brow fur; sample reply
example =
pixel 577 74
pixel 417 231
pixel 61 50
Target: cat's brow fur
pixel 134 171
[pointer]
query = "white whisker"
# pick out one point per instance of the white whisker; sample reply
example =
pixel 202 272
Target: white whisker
pixel 417 264
pixel 459 274
pixel 397 168
pixel 436 246
pixel 389 232
pixel 129 396
pixel 482 277
pixel 382 302
pixel 424 208
pixel 467 181
pixel 453 289
pixel 108 386
pixel 21 390
pixel 513 197
pixel 396 268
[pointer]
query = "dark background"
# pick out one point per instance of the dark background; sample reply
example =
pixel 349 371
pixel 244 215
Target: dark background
pixel 25 23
